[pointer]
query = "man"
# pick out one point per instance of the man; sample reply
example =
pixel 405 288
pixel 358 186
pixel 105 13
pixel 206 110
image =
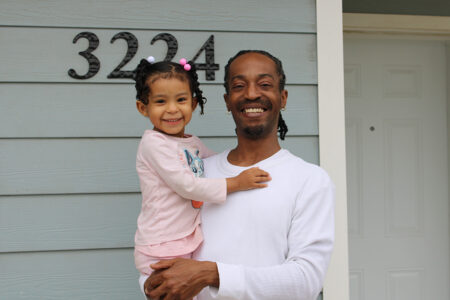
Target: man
pixel 271 243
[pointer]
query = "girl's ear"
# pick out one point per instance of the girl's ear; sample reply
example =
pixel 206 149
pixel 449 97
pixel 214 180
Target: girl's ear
pixel 194 103
pixel 142 108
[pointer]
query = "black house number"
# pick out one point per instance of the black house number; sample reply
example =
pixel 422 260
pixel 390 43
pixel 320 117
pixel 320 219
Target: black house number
pixel 132 46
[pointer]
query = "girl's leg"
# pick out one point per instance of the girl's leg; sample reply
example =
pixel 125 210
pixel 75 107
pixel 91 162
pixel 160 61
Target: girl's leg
pixel 142 279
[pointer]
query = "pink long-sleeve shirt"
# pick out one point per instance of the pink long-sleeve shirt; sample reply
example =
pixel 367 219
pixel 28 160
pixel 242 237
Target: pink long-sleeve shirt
pixel 170 172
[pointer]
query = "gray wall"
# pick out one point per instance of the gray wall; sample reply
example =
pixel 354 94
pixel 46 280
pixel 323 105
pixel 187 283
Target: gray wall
pixel 69 194
pixel 399 7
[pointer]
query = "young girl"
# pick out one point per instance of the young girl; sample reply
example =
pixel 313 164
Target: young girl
pixel 170 168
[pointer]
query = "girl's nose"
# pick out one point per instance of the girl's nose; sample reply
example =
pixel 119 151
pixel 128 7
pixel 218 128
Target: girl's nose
pixel 171 107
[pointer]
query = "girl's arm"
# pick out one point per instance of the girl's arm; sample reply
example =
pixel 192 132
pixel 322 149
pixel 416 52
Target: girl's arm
pixel 249 179
pixel 163 157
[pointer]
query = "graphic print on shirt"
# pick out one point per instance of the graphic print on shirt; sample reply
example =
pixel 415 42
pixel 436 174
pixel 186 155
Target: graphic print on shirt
pixel 196 165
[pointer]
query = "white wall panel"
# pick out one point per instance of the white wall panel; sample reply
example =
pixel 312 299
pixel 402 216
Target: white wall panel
pixel 355 176
pixel 404 196
pixel 405 284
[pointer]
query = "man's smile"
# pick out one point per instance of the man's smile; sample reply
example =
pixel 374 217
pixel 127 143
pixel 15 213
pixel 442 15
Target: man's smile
pixel 254 108
pixel 253 112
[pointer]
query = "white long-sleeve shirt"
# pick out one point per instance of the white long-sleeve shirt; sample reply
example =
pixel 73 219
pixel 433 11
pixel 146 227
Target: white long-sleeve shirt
pixel 270 243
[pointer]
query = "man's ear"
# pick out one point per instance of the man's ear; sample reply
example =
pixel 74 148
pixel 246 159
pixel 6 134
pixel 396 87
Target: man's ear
pixel 225 97
pixel 142 108
pixel 284 95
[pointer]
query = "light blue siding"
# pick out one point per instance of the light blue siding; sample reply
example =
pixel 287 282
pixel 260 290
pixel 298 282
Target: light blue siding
pixel 81 166
pixel 69 193
pixel 204 15
pixel 57 54
pixel 109 110
pixel 69 275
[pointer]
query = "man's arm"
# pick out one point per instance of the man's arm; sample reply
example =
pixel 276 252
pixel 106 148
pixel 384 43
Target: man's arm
pixel 180 278
pixel 300 277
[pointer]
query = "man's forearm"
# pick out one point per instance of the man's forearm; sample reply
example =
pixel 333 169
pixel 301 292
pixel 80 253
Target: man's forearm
pixel 181 278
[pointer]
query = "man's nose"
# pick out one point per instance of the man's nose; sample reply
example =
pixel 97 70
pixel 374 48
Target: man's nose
pixel 252 92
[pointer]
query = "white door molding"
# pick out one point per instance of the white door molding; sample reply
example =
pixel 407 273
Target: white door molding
pixel 397 24
pixel 403 27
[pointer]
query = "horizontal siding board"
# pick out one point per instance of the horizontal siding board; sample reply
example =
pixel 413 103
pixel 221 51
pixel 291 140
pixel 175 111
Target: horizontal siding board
pixel 234 15
pixel 108 110
pixel 57 166
pixel 59 222
pixel 76 275
pixel 46 54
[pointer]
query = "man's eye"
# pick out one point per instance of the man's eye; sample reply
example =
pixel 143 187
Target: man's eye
pixel 237 86
pixel 266 84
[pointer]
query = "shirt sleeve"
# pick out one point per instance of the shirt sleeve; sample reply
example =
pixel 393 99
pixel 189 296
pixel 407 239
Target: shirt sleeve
pixel 163 157
pixel 301 276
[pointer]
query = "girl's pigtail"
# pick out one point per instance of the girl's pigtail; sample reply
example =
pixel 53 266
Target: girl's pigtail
pixel 198 93
pixel 140 76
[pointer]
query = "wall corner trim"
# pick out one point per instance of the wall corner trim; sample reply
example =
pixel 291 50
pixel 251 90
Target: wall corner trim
pixel 330 67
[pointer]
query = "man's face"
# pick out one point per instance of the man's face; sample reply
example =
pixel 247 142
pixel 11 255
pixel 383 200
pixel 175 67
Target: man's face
pixel 254 96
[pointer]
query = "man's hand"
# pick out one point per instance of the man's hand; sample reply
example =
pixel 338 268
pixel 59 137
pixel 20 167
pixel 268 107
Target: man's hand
pixel 180 278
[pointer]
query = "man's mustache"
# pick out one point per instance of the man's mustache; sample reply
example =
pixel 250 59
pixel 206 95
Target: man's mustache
pixel 260 102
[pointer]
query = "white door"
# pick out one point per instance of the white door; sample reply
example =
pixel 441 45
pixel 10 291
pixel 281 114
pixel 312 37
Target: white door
pixel 397 169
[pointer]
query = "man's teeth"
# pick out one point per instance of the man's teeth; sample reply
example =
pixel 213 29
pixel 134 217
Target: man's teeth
pixel 254 110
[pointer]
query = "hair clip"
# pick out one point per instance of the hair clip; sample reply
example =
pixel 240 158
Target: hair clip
pixel 185 65
pixel 151 59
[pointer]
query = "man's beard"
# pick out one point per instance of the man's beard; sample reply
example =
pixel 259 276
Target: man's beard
pixel 255 132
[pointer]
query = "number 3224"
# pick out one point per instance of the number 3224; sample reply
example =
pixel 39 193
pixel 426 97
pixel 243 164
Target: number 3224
pixel 172 47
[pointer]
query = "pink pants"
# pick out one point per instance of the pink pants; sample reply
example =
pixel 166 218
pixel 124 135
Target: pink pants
pixel 143 261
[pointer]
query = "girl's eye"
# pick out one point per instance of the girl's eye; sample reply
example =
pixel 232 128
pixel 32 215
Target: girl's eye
pixel 159 101
pixel 182 99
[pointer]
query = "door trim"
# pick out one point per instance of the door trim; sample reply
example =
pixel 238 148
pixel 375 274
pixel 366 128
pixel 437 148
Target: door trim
pixel 397 24
pixel 402 27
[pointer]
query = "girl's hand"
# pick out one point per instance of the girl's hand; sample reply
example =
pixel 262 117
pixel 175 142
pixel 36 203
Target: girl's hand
pixel 252 178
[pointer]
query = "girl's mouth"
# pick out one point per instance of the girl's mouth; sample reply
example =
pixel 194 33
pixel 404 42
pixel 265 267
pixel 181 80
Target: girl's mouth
pixel 172 120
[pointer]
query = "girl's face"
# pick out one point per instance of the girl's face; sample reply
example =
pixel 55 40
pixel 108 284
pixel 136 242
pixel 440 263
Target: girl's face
pixel 170 105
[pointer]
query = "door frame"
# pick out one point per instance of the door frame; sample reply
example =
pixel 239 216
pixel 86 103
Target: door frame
pixel 364 25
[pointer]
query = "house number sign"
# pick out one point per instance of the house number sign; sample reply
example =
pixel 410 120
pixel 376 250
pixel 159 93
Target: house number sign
pixel 132 46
